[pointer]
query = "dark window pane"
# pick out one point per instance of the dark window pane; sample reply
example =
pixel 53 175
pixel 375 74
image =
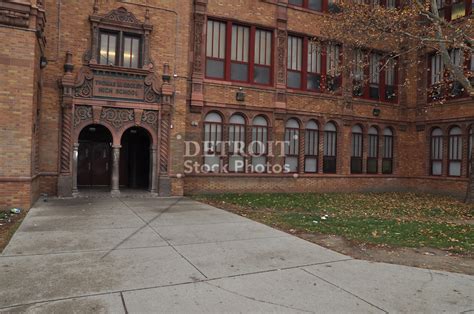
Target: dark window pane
pixel 294 79
pixel 374 92
pixel 239 72
pixel 358 89
pixel 356 165
pixel 261 75
pixel 329 165
pixel 390 93
pixel 372 166
pixel 387 166
pixel 332 83
pixel 296 2
pixel 314 81
pixel 315 5
pixel 215 68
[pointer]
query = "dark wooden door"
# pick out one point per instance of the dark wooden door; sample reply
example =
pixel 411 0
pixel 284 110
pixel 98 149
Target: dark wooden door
pixel 94 164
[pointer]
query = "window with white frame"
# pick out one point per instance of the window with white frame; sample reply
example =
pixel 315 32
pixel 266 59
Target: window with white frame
pixel 237 142
pixel 259 147
pixel 356 149
pixel 387 161
pixel 373 151
pixel 437 69
pixel 390 79
pixel 436 152
pixel 292 146
pixel 358 73
pixel 295 53
pixel 212 141
pixel 311 147
pixel 455 151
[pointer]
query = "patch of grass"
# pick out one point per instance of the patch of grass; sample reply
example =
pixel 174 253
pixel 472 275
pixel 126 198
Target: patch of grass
pixel 393 219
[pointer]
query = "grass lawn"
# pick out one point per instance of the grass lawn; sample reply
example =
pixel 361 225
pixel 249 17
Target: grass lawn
pixel 387 219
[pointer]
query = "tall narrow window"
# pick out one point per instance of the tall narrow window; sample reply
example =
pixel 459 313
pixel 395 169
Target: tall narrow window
pixel 259 148
pixel 215 49
pixel 455 151
pixel 108 49
pixel 314 66
pixel 237 143
pixel 390 79
pixel 357 148
pixel 387 161
pixel 239 67
pixel 358 80
pixel 292 147
pixel 373 153
pixel 470 149
pixel 295 53
pixel 131 52
pixel 374 76
pixel 330 148
pixel 437 69
pixel 333 78
pixel 391 4
pixel 212 141
pixel 311 147
pixel 263 57
pixel 457 58
pixel 437 152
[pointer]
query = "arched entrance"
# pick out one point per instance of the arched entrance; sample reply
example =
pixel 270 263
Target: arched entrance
pixel 94 162
pixel 135 159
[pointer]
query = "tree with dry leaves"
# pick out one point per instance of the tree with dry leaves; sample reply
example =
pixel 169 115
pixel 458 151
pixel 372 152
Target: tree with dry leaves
pixel 397 29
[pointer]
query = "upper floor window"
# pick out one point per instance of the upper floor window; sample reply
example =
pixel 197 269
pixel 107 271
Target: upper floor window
pixel 442 82
pixel 120 49
pixel 374 77
pixel 454 9
pixel 316 5
pixel 243 55
pixel 308 69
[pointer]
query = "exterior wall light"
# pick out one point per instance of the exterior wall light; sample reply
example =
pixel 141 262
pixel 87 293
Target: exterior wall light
pixel 240 95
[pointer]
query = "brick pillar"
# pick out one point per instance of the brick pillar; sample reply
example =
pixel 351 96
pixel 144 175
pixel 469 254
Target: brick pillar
pixel 115 170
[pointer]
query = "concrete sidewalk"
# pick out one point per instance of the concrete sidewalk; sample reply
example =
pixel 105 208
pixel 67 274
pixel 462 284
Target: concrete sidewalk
pixel 177 255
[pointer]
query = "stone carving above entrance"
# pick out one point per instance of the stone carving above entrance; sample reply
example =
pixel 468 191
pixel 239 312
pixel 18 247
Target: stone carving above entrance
pixel 82 113
pixel 117 117
pixel 151 118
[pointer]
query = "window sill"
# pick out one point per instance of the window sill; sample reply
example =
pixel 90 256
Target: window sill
pixel 238 84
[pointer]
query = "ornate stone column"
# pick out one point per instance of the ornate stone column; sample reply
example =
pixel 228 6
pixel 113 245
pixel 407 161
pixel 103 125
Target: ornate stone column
pixel 153 170
pixel 116 170
pixel 65 184
pixel 165 182
pixel 75 155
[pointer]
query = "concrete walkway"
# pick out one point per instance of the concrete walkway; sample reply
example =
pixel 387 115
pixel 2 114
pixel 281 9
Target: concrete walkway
pixel 176 255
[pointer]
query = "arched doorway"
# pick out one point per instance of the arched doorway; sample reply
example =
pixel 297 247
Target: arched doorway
pixel 94 162
pixel 135 159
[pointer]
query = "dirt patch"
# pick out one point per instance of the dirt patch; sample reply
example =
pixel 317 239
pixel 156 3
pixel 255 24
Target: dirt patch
pixel 9 223
pixel 428 258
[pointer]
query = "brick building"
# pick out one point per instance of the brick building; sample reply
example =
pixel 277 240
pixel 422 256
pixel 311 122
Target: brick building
pixel 110 94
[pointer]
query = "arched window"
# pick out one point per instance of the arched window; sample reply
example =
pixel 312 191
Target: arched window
pixel 455 151
pixel 436 152
pixel 471 145
pixel 259 149
pixel 330 148
pixel 292 146
pixel 387 161
pixel 311 147
pixel 373 153
pixel 212 141
pixel 237 143
pixel 357 148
